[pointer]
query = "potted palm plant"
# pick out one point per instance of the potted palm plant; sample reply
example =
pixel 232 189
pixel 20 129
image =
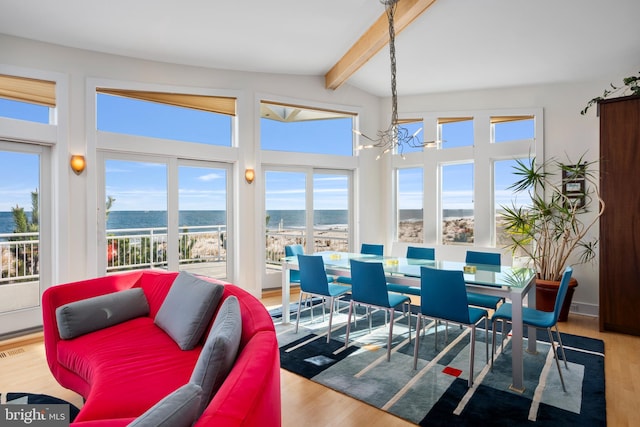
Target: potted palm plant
pixel 553 230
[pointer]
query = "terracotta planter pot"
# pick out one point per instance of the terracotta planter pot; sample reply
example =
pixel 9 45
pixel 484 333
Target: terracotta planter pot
pixel 546 292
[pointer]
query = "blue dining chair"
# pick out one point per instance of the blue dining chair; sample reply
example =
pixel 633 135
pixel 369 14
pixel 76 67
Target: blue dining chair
pixel 367 249
pixel 538 319
pixel 413 252
pixel 416 252
pixel 486 258
pixel 294 275
pixel 444 297
pixel 291 250
pixel 369 288
pixel 372 249
pixel 313 281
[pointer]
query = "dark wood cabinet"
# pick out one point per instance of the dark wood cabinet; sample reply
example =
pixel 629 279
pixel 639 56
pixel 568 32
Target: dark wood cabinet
pixel 620 223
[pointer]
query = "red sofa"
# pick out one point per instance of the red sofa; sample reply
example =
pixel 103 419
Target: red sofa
pixel 125 369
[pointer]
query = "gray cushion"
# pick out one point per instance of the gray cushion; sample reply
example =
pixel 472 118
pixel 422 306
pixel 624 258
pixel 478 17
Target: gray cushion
pixel 188 308
pixel 178 409
pixel 88 315
pixel 219 351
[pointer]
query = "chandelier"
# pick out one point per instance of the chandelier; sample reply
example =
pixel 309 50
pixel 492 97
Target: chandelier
pixel 394 136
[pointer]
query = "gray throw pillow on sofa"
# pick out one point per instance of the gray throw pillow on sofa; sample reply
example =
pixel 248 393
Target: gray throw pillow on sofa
pixel 219 352
pixel 188 308
pixel 179 409
pixel 88 315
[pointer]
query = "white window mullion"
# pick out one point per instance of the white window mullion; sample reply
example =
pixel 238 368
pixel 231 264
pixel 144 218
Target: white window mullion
pixel 483 181
pixel 309 212
pixel 173 215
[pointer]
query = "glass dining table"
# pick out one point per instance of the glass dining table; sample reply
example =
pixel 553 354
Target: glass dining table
pixel 512 283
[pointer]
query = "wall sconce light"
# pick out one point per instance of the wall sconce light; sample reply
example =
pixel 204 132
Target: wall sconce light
pixel 77 163
pixel 249 175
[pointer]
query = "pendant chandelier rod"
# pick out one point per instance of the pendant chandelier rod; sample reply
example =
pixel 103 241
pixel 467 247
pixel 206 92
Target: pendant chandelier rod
pixel 394 137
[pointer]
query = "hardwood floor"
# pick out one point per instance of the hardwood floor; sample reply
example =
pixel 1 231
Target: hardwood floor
pixel 23 367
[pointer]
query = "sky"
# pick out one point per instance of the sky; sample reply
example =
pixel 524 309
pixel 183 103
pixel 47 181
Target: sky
pixel 142 185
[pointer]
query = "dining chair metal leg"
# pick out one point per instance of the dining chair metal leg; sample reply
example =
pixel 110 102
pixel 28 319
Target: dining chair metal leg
pixel 330 317
pixel 346 338
pixel 391 310
pixel 555 355
pixel 473 353
pixel 408 319
pixel 564 356
pixel 486 337
pixel 417 342
pixel 355 318
pixel 446 332
pixel 298 316
pixel 435 335
pixel 493 341
pixel 308 301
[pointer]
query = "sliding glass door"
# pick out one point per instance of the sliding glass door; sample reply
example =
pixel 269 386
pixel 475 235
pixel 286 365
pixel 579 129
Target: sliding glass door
pixel 203 227
pixel 24 235
pixel 166 213
pixel 310 207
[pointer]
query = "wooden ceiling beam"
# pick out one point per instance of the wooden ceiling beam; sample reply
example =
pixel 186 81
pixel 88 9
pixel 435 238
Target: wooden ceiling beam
pixel 374 39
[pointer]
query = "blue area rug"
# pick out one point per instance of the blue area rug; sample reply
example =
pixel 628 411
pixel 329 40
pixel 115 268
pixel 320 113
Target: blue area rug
pixel 436 393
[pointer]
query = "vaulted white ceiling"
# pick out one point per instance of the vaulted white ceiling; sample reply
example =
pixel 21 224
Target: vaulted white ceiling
pixel 453 45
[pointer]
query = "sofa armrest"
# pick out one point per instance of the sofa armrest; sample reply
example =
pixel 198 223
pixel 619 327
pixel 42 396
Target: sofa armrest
pixel 56 296
pixel 250 395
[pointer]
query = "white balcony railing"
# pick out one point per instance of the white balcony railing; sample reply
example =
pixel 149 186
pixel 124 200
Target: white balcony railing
pixel 135 248
pixel 127 249
pixel 138 248
pixel 322 241
pixel 19 257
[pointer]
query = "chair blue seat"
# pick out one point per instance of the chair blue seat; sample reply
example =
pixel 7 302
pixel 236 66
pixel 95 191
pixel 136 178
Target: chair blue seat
pixel 537 319
pixel 413 252
pixel 486 258
pixel 481 300
pixel 372 249
pixel 403 289
pixel 369 288
pixel 313 281
pixel 294 275
pixel 367 249
pixel 417 252
pixel 444 297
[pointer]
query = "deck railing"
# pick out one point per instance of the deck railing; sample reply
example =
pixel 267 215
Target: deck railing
pixel 19 257
pixel 127 249
pixel 137 248
pixel 322 241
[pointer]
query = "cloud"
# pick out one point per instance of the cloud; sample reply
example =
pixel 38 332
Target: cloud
pixel 209 177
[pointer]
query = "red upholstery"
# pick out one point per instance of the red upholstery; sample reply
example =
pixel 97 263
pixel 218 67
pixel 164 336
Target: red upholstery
pixel 125 369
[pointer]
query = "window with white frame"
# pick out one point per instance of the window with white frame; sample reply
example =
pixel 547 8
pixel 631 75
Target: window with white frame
pixel 410 213
pixel 178 117
pixel 467 178
pixel 456 199
pixel 301 129
pixel 27 99
pixel 167 207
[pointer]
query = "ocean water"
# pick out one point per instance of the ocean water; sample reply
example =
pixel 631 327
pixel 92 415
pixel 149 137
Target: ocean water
pixel 277 218
pixel 154 219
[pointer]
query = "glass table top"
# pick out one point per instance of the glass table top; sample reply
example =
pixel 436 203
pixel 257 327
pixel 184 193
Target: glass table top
pixel 478 274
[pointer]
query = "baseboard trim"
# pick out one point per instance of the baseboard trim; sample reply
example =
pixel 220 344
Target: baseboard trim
pixel 585 309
